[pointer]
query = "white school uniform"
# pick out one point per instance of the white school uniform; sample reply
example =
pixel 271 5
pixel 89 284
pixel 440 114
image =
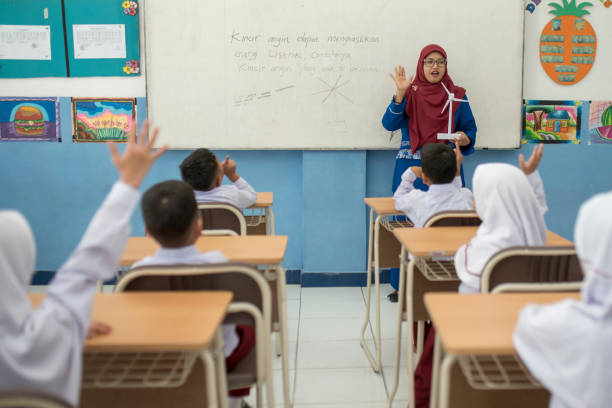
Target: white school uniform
pixel 512 207
pixel 239 193
pixel 190 255
pixel 41 349
pixel 419 205
pixel 567 346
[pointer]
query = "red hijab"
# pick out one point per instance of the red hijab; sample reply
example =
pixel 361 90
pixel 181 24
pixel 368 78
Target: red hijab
pixel 424 103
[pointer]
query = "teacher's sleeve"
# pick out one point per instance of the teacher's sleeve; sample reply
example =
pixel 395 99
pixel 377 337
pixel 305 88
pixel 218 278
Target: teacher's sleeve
pixel 466 123
pixel 395 116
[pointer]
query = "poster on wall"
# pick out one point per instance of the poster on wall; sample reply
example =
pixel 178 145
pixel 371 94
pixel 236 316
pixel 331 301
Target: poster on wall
pixel 29 119
pixel 600 122
pixel 102 119
pixel 551 121
pixel 568 50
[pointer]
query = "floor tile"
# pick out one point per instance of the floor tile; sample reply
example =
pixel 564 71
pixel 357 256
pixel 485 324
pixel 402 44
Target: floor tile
pixel 293 292
pixel 293 308
pixel 340 294
pixel 402 391
pixel 331 354
pixel 330 329
pixel 333 308
pixel 278 389
pixel 339 386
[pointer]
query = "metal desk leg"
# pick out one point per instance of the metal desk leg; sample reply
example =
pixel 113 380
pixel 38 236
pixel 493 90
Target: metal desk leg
pixel 211 374
pixel 445 380
pixel 221 371
pixel 410 334
pixel 282 315
pixel 373 262
pixel 398 339
pixel 269 215
pixel 435 375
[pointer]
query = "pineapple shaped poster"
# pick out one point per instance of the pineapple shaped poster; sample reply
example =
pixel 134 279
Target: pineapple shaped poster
pixel 568 43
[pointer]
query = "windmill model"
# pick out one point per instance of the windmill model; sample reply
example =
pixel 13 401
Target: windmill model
pixel 449 104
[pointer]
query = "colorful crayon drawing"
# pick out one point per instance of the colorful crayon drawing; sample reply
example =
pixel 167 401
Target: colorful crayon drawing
pixel 551 121
pixel 29 119
pixel 600 122
pixel 102 120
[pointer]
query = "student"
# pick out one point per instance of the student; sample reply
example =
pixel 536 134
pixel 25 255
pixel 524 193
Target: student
pixel 204 172
pixel 172 218
pixel 41 349
pixel 441 166
pixel 566 345
pixel 511 205
pixel 512 209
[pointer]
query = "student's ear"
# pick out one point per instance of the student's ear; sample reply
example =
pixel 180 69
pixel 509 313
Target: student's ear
pixel 426 180
pixel 147 233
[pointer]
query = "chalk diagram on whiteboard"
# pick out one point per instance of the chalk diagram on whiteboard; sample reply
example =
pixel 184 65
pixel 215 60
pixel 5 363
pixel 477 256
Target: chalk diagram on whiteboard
pixel 338 125
pixel 242 100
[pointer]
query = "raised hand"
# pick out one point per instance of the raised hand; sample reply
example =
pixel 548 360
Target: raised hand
pixel 401 82
pixel 229 169
pixel 138 156
pixel 532 164
pixel 458 156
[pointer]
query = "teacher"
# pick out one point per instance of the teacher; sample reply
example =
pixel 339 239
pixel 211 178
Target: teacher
pixel 416 109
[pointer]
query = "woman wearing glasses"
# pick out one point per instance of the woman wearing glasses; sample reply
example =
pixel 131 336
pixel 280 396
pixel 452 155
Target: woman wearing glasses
pixel 416 109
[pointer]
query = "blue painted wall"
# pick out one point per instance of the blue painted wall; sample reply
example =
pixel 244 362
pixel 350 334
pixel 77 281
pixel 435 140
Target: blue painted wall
pixel 318 195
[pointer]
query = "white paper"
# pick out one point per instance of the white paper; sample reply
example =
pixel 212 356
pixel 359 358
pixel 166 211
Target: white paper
pixel 99 41
pixel 25 42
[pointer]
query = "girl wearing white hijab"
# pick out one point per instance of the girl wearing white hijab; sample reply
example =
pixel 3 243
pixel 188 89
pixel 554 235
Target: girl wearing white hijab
pixel 41 349
pixel 568 345
pixel 512 207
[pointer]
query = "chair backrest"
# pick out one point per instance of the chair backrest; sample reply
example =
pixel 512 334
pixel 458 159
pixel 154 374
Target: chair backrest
pixel 245 281
pixel 521 269
pixel 29 399
pixel 453 219
pixel 222 219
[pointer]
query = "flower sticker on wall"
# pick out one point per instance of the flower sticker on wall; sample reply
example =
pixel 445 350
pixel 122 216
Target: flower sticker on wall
pixel 131 67
pixel 130 8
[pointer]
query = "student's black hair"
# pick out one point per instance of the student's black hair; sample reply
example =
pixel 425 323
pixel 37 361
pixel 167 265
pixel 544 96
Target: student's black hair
pixel 169 209
pixel 439 163
pixel 200 169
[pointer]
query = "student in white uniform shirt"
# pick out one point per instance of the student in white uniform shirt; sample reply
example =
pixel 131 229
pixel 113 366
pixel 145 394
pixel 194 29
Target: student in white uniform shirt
pixel 204 172
pixel 441 171
pixel 511 205
pixel 567 346
pixel 172 218
pixel 41 349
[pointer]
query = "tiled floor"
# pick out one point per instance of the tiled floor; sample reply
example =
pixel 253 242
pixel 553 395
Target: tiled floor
pixel 328 367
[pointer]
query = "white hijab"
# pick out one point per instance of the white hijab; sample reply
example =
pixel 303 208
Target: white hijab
pixel 36 347
pixel 511 216
pixel 568 345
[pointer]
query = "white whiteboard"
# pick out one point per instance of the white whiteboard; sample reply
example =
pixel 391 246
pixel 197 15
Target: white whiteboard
pixel 264 74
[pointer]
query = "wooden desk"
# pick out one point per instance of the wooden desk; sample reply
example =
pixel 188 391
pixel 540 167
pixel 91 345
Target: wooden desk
pixel 257 249
pixel 266 250
pixel 260 217
pixel 383 252
pixel 441 241
pixel 431 251
pixel 473 327
pixel 157 322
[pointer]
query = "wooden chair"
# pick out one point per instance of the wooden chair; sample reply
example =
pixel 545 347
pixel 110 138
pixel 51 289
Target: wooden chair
pixel 251 305
pixel 29 399
pixel 222 219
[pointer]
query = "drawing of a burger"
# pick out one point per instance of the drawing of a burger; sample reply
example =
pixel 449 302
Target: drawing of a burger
pixel 29 121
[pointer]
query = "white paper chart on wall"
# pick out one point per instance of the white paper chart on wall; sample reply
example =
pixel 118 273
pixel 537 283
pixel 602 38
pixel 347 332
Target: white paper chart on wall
pixel 263 74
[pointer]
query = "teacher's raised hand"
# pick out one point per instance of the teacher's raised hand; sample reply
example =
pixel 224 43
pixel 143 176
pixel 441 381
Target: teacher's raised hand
pixel 401 83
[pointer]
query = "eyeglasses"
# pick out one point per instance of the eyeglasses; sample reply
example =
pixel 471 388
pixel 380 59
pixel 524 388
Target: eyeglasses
pixel 431 62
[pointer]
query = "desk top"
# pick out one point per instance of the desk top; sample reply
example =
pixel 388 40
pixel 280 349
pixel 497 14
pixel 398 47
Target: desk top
pixel 250 249
pixel 447 240
pixel 382 205
pixel 156 321
pixel 264 200
pixel 481 324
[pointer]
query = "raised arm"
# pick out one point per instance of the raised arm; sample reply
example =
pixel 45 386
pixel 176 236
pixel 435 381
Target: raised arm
pixel 406 197
pixel 530 168
pixel 97 255
pixel 395 116
pixel 244 195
